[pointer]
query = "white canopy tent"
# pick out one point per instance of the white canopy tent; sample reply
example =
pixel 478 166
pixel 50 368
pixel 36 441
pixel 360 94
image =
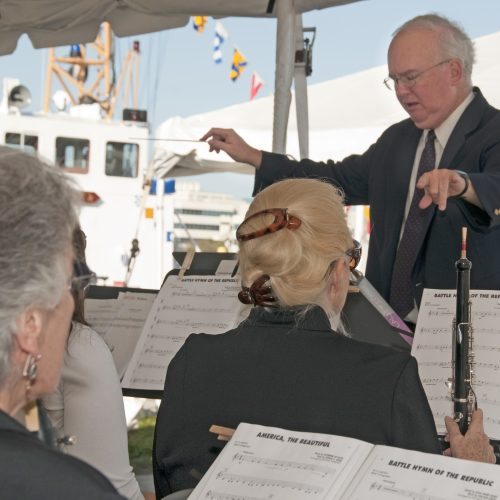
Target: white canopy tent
pixel 346 115
pixel 50 23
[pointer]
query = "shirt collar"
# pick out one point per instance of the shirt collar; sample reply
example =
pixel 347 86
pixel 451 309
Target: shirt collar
pixel 314 318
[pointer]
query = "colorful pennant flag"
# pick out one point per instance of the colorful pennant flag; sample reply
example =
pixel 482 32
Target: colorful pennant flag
pixel 256 84
pixel 220 35
pixel 238 65
pixel 199 23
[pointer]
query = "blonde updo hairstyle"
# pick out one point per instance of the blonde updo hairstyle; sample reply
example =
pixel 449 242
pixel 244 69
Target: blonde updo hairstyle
pixel 297 260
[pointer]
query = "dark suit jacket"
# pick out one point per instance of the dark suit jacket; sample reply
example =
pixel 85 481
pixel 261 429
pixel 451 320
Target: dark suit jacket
pixel 31 470
pixel 380 178
pixel 279 370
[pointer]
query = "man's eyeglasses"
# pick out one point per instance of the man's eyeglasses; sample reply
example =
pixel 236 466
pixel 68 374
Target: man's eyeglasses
pixel 409 79
pixel 355 254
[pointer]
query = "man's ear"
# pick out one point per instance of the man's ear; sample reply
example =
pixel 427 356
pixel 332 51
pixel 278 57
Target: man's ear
pixel 456 70
pixel 29 327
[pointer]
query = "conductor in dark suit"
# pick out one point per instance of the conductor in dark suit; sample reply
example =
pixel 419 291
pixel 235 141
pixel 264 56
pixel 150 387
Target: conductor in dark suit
pixel 287 365
pixel 425 177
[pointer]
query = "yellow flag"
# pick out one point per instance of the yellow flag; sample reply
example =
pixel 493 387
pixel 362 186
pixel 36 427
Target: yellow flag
pixel 199 23
pixel 238 65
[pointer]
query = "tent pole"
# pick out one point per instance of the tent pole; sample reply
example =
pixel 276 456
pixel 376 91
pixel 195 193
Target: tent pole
pixel 285 55
pixel 301 104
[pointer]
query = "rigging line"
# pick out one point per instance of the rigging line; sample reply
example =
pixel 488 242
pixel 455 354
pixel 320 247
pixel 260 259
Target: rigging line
pixel 117 62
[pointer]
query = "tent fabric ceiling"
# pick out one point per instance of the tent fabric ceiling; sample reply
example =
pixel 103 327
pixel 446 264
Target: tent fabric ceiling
pixel 50 23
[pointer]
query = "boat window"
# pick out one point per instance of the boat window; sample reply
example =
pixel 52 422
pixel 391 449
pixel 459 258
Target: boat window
pixel 12 139
pixel 28 143
pixel 73 154
pixel 122 159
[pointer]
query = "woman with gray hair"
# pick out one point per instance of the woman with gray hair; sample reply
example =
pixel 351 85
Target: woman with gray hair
pixel 286 365
pixel 37 217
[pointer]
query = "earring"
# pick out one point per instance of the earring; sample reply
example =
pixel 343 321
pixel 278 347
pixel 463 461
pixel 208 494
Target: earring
pixel 30 370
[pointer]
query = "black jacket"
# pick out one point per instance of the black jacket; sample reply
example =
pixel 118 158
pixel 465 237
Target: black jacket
pixel 30 470
pixel 280 369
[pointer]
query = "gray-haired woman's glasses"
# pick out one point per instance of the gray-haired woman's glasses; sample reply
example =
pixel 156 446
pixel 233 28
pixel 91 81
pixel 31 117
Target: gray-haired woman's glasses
pixel 82 282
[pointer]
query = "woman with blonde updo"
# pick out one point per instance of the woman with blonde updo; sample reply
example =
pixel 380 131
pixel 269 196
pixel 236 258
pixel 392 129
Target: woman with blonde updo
pixel 286 365
pixel 299 261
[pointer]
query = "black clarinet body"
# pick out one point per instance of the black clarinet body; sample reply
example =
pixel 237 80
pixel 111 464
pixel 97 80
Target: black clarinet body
pixel 464 400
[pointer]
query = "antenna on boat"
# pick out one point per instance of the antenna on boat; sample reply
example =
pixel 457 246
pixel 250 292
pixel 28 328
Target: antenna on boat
pixel 88 76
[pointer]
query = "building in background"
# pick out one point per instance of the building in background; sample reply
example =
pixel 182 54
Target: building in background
pixel 205 222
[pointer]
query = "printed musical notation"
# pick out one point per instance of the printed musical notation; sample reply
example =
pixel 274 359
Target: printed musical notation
pixel 389 490
pixel 195 304
pixel 432 347
pixel 253 482
pixel 215 495
pixel 284 464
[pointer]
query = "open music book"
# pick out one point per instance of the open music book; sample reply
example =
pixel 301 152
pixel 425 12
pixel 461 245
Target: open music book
pixel 193 304
pixel 266 462
pixel 432 347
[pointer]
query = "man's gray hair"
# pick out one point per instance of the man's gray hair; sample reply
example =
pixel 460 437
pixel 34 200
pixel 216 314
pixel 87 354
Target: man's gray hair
pixel 38 212
pixel 455 43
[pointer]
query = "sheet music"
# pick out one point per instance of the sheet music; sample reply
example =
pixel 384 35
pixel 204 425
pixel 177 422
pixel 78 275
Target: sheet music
pixel 195 304
pixel 120 322
pixel 266 462
pixel 392 472
pixel 100 313
pixel 432 347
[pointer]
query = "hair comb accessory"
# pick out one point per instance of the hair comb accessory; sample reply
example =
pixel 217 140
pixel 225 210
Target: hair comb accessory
pixel 281 219
pixel 259 294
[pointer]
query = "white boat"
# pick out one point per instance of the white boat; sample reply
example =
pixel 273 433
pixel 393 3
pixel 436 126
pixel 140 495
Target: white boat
pixel 128 218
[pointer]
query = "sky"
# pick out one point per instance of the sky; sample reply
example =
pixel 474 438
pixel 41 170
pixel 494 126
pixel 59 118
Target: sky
pixel 179 78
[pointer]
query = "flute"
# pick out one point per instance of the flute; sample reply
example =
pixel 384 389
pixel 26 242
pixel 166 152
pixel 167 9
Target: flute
pixel 464 399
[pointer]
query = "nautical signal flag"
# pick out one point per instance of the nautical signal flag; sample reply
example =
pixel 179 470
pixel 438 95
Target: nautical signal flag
pixel 220 35
pixel 256 84
pixel 199 23
pixel 238 65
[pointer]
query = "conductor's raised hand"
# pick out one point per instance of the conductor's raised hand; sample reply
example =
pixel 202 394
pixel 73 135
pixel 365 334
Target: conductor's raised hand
pixel 474 445
pixel 439 185
pixel 227 140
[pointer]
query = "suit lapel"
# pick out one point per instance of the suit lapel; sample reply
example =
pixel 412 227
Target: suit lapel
pixel 468 122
